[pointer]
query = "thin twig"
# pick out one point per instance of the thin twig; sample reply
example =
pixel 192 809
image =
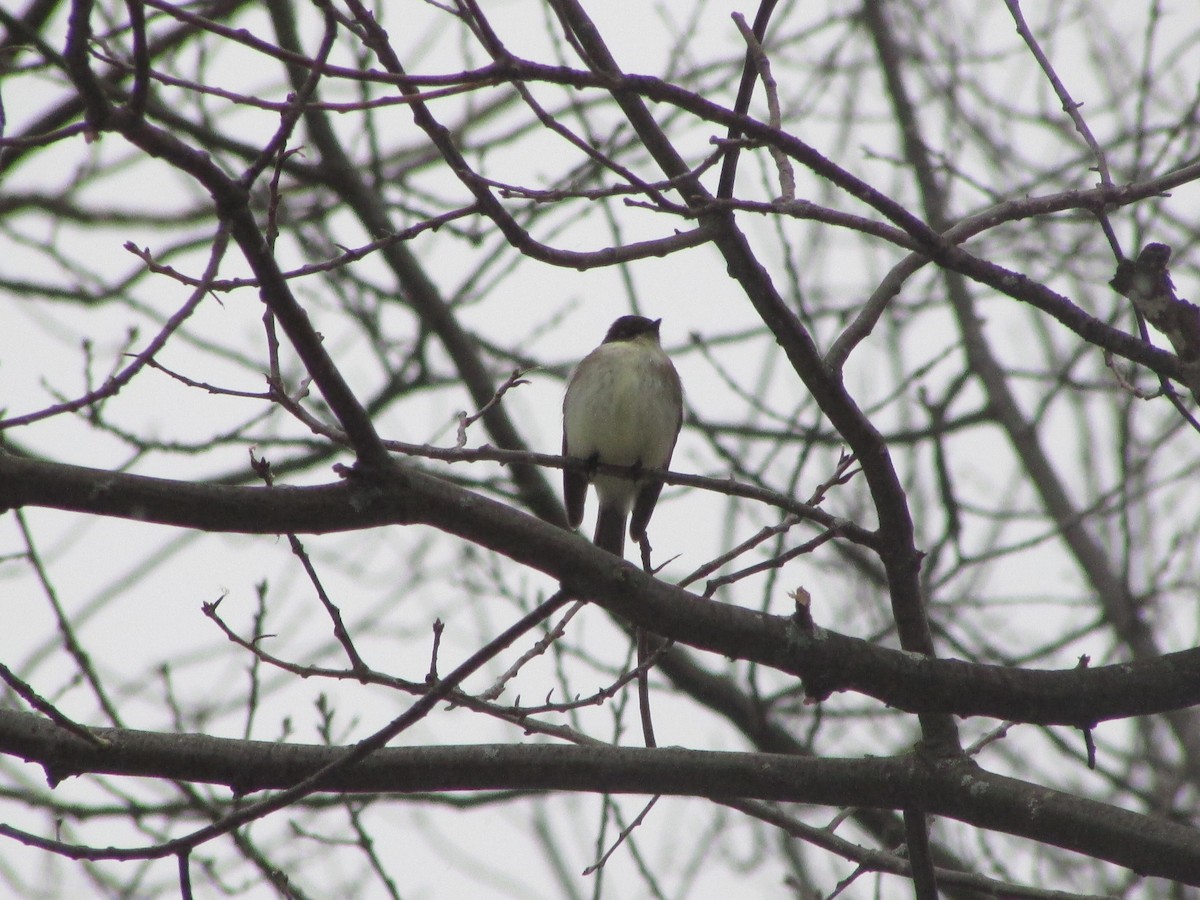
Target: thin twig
pixel 466 421
pixel 787 175
pixel 536 650
pixel 44 706
pixel 621 838
pixel 118 381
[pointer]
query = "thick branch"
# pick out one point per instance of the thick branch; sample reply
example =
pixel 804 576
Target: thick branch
pixel 825 660
pixel 958 789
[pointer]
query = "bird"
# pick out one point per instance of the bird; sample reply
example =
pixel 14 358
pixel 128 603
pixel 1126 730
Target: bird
pixel 623 407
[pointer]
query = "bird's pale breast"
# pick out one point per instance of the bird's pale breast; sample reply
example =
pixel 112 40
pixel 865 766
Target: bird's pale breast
pixel 612 414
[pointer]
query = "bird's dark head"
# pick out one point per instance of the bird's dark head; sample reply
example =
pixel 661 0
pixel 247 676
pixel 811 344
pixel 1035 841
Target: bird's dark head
pixel 627 328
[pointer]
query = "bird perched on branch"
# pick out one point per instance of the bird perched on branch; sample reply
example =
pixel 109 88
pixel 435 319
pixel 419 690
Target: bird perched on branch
pixel 623 407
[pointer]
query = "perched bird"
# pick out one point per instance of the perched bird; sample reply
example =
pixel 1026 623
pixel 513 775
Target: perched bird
pixel 623 407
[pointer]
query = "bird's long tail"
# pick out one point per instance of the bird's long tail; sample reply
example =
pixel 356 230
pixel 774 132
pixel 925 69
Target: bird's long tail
pixel 610 529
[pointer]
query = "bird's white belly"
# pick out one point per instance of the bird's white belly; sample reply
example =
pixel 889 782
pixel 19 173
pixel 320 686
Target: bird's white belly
pixel 615 417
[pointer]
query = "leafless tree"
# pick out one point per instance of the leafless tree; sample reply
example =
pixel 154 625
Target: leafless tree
pixel 290 291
